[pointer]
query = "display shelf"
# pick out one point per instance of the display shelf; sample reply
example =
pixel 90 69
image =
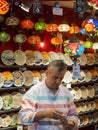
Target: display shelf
pixel 9 128
pixel 9 111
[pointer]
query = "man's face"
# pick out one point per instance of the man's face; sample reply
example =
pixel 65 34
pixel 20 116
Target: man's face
pixel 54 78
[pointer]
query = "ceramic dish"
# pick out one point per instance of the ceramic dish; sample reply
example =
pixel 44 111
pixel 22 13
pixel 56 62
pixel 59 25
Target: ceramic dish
pixel 78 93
pixel 20 57
pixel 67 77
pixel 91 91
pixel 61 57
pixel 38 58
pixel 45 58
pixel 17 97
pixel 83 60
pixel 7 57
pixel 6 120
pixel 14 119
pixel 28 75
pixel 68 60
pixel 88 76
pixel 19 78
pixel 90 59
pixel 53 55
pixel 30 57
pixel 84 91
pixel 36 76
pixel 7 101
pixel 8 78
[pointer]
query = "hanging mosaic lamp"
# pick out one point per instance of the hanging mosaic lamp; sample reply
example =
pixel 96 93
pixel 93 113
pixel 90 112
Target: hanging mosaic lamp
pixel 27 24
pixel 4 36
pixel 4 7
pixel 34 40
pixel 63 27
pixel 51 27
pixel 56 41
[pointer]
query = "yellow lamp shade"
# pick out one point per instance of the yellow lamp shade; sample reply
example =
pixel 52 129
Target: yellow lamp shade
pixel 4 7
pixel 56 41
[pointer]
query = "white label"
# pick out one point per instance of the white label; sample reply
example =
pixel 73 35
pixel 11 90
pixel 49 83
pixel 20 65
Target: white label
pixel 57 11
pixel 19 127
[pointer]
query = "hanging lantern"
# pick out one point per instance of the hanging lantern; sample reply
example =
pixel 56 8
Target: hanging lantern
pixel 4 37
pixel 88 44
pixel 74 29
pixel 40 26
pixel 51 27
pixel 34 40
pixel 63 27
pixel 56 41
pixel 27 24
pixel 20 39
pixel 12 21
pixel 4 7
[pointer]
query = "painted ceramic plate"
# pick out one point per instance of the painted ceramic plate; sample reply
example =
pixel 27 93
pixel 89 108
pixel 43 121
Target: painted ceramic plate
pixel 30 57
pixel 28 77
pixel 88 76
pixel 61 57
pixel 82 76
pixel 68 60
pixel 7 57
pixel 78 93
pixel 1 80
pixel 84 91
pixel 45 58
pixel 14 119
pixel 83 59
pixel 90 59
pixel 19 78
pixel 53 56
pixel 37 76
pixel 8 78
pixel 7 101
pixel 38 58
pixel 20 57
pixel 6 120
pixel 67 77
pixel 91 91
pixel 17 97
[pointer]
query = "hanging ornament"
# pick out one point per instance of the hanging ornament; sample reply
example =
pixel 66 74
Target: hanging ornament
pixel 4 7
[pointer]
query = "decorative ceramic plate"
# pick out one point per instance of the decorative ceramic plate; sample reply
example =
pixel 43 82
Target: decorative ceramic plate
pixel 88 76
pixel 7 101
pixel 1 102
pixel 1 80
pixel 68 60
pixel 83 59
pixel 8 78
pixel 53 55
pixel 61 57
pixel 14 119
pixel 90 59
pixel 38 58
pixel 30 57
pixel 78 93
pixel 28 77
pixel 78 107
pixel 67 77
pixel 19 78
pixel 37 76
pixel 17 97
pixel 6 120
pixel 43 74
pixel 7 57
pixel 82 76
pixel 84 91
pixel 94 73
pixel 45 58
pixel 91 91
pixel 20 57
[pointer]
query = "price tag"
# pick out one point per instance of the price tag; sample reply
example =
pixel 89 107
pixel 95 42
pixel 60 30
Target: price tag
pixel 19 127
pixel 57 11
pixel 76 71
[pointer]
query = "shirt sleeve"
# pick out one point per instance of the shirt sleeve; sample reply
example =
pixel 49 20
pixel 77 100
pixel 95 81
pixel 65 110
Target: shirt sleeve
pixel 28 108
